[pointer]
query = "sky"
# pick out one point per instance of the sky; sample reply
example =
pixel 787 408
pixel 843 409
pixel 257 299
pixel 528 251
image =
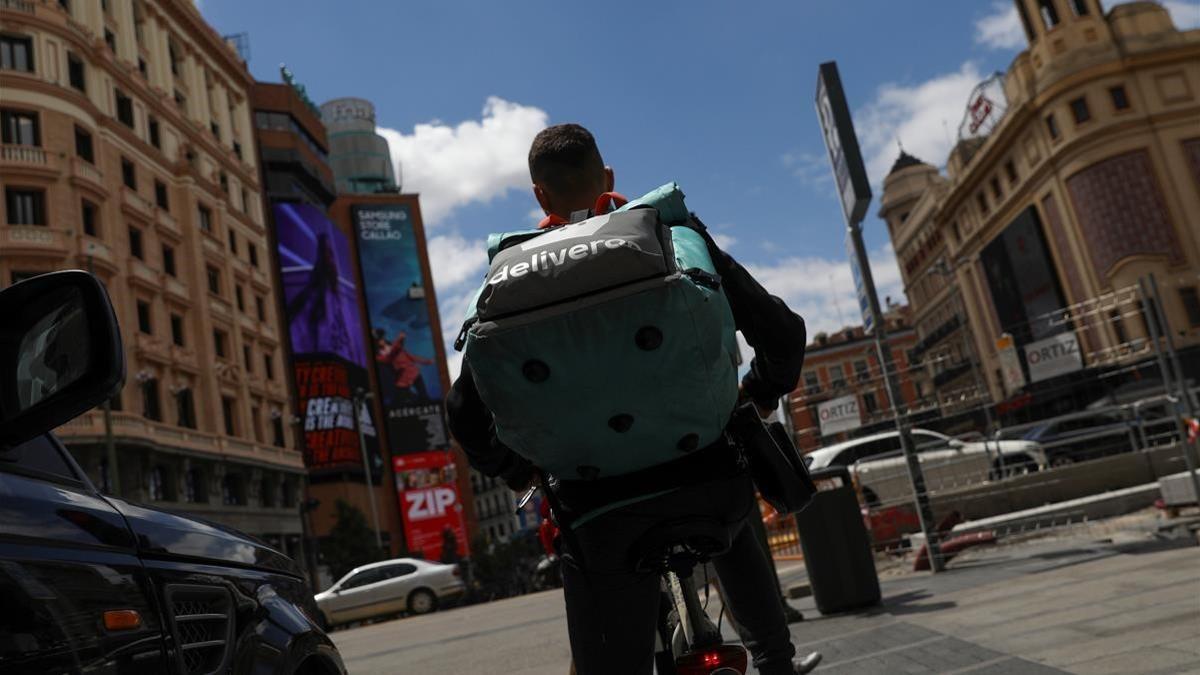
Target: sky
pixel 716 96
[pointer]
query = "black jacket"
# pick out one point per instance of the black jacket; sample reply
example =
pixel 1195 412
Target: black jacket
pixel 774 332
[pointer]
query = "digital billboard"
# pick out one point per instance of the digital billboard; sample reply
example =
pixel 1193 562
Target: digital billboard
pixel 426 485
pixel 402 334
pixel 1022 281
pixel 329 358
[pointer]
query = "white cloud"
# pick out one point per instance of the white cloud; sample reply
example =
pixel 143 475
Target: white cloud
pixel 453 309
pixel 473 161
pixel 1186 15
pixel 455 259
pixel 1001 29
pixel 822 289
pixel 924 117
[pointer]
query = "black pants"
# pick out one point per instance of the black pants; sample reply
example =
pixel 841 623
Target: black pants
pixel 612 609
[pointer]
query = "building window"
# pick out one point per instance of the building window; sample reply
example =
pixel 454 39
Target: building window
pixel 111 40
pixel 1079 109
pixel 194 490
pixel 215 129
pixel 128 174
pixel 268 491
pixel 1118 326
pixel 25 207
pixel 237 295
pixel 142 66
pixel 219 341
pixel 75 73
pixel 160 195
pixel 19 128
pixel 1119 100
pixel 260 308
pixel 173 53
pixel 87 213
pixel 289 490
pixel 861 372
pixel 1149 318
pixel 185 408
pixel 268 365
pixel 1052 126
pixel 155 140
pixel 135 243
pixel 1079 7
pixel 812 384
pixel 277 436
pixel 232 241
pixel 237 149
pixel 177 330
pixel 227 412
pixel 981 198
pixel 168 258
pixel 180 102
pixel 996 192
pixel 869 403
pixel 154 484
pixel 248 358
pixel 1049 13
pixel 83 145
pixel 837 376
pixel 205 218
pixel 253 251
pixel 256 423
pixel 16 53
pixel 1191 304
pixel 232 491
pixel 124 108
pixel 143 317
pixel 151 409
pixel 214 279
pixel 1010 170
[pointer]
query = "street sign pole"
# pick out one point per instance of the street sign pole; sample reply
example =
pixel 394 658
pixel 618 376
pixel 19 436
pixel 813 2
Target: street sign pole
pixel 855 192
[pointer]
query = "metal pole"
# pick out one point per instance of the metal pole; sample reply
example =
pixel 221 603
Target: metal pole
pixel 1184 395
pixel 110 445
pixel 361 397
pixel 924 510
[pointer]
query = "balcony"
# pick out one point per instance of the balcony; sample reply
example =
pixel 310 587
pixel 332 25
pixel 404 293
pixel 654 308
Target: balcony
pixel 141 273
pixel 28 159
pixel 133 203
pixel 151 347
pixel 99 252
pixel 37 240
pixel 89 427
pixel 213 246
pixel 167 222
pixel 85 174
pixel 25 6
pixel 175 288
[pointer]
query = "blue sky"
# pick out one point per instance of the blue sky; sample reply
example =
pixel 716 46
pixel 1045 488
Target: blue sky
pixel 717 96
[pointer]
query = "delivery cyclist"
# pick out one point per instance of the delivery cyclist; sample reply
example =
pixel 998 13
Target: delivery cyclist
pixel 611 608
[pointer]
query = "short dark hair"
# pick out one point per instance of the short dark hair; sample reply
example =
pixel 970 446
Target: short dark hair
pixel 564 159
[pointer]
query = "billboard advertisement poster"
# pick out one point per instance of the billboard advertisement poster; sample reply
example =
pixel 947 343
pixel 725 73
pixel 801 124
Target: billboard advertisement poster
pixel 1010 365
pixel 1053 356
pixel 838 415
pixel 402 336
pixel 325 332
pixel 426 485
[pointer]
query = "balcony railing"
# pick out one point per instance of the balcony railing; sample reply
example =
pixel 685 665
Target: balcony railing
pixel 128 425
pixel 23 154
pixel 17 5
pixel 35 238
pixel 84 170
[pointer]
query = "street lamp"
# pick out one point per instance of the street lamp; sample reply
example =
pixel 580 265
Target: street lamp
pixel 361 396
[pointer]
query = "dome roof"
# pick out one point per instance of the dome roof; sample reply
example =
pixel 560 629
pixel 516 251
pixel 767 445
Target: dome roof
pixel 904 161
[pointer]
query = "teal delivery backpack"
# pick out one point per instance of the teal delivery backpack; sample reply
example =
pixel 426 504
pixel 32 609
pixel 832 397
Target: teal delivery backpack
pixel 605 346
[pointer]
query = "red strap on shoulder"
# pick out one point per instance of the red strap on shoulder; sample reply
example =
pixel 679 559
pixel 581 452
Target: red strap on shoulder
pixel 552 220
pixel 604 203
pixel 609 201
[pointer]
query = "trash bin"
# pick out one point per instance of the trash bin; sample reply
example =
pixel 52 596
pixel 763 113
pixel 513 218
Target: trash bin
pixel 837 549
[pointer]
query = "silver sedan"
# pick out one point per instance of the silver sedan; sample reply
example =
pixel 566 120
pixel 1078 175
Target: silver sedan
pixel 390 587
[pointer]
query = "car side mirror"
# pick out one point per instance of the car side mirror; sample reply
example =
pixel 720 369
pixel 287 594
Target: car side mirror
pixel 60 353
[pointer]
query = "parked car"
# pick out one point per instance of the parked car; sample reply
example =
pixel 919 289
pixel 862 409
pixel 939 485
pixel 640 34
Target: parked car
pixel 91 583
pixel 403 585
pixel 1077 438
pixel 879 466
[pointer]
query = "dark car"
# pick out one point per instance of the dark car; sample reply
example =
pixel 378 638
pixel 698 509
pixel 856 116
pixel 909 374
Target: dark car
pixel 91 583
pixel 1079 438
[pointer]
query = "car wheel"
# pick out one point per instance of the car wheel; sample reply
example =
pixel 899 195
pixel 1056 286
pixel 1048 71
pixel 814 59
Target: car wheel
pixel 422 601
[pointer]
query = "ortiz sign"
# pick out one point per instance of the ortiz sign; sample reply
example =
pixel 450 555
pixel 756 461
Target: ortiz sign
pixel 426 487
pixel 838 415
pixel 1052 357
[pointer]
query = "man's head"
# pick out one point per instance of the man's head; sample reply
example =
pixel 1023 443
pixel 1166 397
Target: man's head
pixel 567 171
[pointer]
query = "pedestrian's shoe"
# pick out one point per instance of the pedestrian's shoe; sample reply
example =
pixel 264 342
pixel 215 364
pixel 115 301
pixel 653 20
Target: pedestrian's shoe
pixel 808 663
pixel 792 614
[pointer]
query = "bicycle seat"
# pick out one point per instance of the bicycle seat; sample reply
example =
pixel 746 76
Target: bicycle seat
pixel 700 538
